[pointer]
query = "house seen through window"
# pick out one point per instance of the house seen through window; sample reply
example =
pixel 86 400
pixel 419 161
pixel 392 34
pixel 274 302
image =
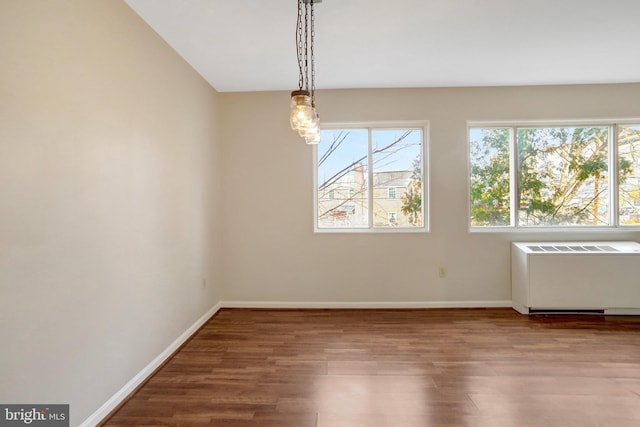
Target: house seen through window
pixel 371 178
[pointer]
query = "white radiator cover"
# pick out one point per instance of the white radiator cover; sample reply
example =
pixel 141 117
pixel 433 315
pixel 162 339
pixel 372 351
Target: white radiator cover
pixel 603 276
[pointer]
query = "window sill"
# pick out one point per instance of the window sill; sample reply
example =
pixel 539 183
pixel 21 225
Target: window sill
pixel 393 230
pixel 569 230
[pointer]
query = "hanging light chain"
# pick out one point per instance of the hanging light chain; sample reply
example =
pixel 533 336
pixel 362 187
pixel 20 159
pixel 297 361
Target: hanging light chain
pixel 313 57
pixel 306 45
pixel 300 46
pixel 305 34
pixel 303 116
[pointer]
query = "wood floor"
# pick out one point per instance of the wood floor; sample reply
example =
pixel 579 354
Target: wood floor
pixel 400 368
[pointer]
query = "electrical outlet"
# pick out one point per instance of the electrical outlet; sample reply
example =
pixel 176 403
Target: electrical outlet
pixel 442 272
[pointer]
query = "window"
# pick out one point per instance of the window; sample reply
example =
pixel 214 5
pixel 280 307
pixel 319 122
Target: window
pixel 392 218
pixel 554 176
pixel 629 175
pixel 376 175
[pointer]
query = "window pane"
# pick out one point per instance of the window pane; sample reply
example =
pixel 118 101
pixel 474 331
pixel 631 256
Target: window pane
pixel 342 179
pixel 563 176
pixel 629 174
pixel 397 172
pixel 490 181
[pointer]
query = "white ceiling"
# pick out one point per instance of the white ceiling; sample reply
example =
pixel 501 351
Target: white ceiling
pixel 249 45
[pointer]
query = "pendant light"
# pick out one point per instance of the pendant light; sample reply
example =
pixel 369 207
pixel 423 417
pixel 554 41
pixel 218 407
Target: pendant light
pixel 304 117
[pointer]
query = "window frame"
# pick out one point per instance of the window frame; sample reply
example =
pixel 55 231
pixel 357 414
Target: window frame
pixel 422 125
pixel 514 173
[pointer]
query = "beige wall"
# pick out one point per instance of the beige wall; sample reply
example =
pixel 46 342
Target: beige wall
pixel 271 252
pixel 112 212
pixel 109 177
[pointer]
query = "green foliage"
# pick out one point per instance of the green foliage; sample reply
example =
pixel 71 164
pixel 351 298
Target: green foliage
pixel 412 199
pixel 624 168
pixel 490 186
pixel 562 176
pixel 629 172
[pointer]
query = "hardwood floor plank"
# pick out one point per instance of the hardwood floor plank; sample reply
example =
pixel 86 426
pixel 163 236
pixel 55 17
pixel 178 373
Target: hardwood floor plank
pixel 400 368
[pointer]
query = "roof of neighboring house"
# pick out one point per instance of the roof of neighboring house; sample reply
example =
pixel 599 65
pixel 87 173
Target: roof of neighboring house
pixel 392 178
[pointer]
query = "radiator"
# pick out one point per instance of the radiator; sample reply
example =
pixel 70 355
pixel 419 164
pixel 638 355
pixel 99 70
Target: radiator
pixel 599 277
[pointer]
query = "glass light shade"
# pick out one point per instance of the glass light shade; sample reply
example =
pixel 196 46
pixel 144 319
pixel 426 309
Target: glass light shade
pixel 313 138
pixel 302 113
pixel 310 128
pixel 311 125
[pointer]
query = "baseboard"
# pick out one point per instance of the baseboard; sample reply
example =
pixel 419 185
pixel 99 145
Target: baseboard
pixel 128 388
pixel 364 305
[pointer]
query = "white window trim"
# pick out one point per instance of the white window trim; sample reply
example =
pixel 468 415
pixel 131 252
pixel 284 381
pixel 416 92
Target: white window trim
pixel 426 174
pixel 611 123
